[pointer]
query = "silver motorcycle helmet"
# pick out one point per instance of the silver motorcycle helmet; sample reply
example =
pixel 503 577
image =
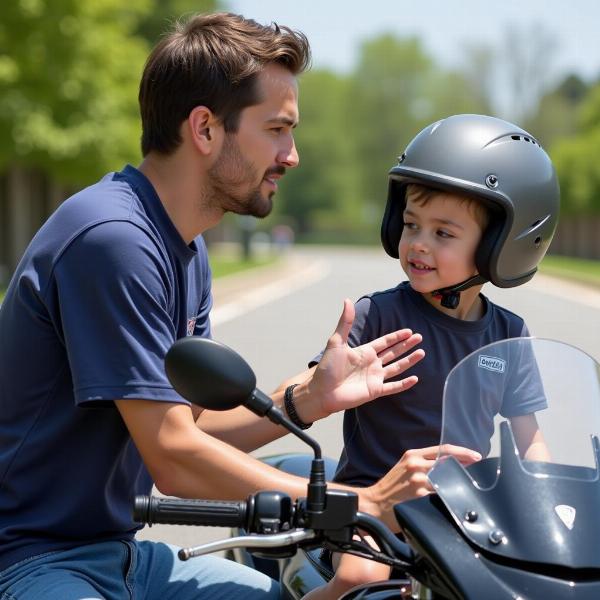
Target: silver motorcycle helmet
pixel 497 163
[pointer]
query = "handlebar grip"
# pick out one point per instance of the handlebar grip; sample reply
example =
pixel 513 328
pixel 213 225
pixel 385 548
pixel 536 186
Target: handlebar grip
pixel 216 513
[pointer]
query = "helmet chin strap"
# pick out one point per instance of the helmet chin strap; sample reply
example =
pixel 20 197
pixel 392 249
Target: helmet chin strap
pixel 451 295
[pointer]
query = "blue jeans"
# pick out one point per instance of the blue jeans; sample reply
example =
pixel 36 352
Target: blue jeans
pixel 131 570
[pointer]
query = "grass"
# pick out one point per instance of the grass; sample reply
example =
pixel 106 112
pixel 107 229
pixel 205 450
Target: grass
pixel 576 269
pixel 227 264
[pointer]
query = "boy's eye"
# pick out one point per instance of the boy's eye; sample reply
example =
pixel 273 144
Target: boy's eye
pixel 410 225
pixel 444 234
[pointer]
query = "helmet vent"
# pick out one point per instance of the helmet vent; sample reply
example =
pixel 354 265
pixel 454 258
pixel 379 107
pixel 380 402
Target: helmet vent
pixel 535 225
pixel 525 139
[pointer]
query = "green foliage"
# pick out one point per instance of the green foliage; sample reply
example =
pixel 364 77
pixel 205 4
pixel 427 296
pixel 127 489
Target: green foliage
pixel 353 128
pixel 576 160
pixel 69 72
pixel 69 77
pixel 389 105
pixel 398 90
pixel 576 269
pixel 557 115
pixel 325 183
pixel 590 110
pixel 164 13
pixel 579 172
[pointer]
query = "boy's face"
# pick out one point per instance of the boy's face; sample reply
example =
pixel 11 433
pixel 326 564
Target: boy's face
pixel 438 242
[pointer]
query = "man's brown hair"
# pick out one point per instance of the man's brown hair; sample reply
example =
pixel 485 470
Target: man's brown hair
pixel 211 60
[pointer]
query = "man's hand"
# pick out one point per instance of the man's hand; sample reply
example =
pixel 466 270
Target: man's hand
pixel 348 377
pixel 408 479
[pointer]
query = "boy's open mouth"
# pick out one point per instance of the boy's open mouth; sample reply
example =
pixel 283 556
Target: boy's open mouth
pixel 420 266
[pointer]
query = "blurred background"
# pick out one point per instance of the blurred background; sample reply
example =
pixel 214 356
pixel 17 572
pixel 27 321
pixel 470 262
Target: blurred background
pixel 69 74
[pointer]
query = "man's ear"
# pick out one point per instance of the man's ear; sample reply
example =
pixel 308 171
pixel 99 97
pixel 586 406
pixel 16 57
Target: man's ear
pixel 203 129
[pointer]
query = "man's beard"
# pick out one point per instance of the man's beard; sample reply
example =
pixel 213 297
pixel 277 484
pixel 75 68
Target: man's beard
pixel 229 181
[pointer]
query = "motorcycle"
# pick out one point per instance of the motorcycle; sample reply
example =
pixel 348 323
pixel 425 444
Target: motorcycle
pixel 519 524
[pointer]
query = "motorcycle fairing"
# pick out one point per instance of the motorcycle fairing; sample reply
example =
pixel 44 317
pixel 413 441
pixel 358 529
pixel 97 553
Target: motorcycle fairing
pixel 517 518
pixel 455 569
pixel 449 565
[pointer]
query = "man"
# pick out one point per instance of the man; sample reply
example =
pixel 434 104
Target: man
pixel 117 274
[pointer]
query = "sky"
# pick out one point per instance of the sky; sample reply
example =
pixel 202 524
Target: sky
pixel 335 27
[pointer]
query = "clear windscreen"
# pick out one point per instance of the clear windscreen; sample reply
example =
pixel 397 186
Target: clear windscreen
pixel 549 393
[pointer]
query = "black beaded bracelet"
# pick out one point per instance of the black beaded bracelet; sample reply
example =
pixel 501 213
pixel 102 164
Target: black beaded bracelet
pixel 290 409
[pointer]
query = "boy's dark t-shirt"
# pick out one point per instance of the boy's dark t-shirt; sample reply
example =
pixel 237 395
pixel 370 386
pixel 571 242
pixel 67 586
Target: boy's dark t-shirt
pixel 378 433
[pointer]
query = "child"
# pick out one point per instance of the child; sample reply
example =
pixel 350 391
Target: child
pixel 473 199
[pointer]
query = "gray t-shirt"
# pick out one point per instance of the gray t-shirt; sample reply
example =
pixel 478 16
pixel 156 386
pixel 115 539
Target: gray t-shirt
pixel 378 433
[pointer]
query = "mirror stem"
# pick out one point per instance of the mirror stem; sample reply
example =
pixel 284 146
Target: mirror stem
pixel 262 405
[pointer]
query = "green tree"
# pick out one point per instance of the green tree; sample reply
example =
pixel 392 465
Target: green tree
pixel 480 71
pixel 557 115
pixel 511 76
pixel 69 71
pixel 69 77
pixel 576 160
pixel 389 105
pixel 323 189
pixel 397 90
pixel 353 127
pixel 162 14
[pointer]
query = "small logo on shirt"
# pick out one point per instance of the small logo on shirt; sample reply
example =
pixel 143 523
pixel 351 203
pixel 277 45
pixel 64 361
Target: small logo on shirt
pixel 191 325
pixel 491 363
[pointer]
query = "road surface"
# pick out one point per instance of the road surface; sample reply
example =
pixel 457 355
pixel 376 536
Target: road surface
pixel 278 319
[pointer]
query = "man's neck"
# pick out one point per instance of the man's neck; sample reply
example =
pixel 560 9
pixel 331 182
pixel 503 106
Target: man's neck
pixel 178 186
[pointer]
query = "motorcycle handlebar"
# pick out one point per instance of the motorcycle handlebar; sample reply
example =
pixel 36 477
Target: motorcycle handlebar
pixel 220 513
pixel 268 513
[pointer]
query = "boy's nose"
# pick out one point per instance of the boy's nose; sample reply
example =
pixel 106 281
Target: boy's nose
pixel 419 245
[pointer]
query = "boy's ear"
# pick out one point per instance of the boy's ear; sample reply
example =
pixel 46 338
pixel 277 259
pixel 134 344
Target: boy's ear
pixel 204 129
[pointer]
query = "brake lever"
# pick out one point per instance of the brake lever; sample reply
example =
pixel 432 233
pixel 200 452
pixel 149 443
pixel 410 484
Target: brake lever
pixel 276 540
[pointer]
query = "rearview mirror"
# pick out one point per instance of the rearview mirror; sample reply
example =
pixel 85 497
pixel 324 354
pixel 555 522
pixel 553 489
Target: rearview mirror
pixel 209 373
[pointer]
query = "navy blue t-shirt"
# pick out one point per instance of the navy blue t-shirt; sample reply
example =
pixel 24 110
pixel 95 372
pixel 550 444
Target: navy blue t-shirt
pixel 378 433
pixel 103 290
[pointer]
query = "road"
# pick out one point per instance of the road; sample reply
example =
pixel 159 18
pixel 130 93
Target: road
pixel 278 325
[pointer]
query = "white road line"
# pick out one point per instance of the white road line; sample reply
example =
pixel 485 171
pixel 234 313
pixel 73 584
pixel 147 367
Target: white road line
pixel 253 298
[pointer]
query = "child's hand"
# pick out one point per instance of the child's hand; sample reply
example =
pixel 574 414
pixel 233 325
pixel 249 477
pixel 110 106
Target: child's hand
pixel 348 377
pixel 407 479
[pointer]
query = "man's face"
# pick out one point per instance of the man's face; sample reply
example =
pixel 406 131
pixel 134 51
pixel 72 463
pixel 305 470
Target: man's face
pixel 244 177
pixel 438 242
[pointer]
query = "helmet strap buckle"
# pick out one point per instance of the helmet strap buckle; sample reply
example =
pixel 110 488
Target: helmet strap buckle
pixel 451 295
pixel 450 299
